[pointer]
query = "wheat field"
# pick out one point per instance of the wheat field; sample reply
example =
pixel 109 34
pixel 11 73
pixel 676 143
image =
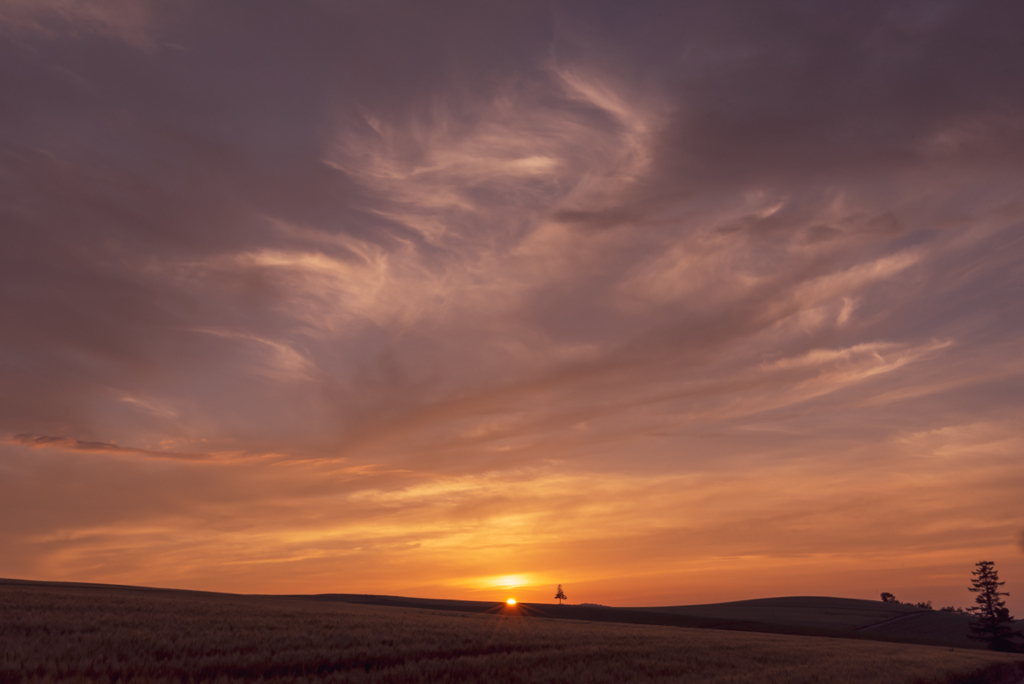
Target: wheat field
pixel 53 633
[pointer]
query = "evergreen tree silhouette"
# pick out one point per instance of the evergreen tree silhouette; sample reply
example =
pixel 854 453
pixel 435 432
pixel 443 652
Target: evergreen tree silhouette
pixel 994 623
pixel 560 595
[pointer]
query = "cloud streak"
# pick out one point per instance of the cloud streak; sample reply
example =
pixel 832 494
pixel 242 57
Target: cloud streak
pixel 68 444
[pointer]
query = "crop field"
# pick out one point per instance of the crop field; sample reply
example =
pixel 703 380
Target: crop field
pixel 105 634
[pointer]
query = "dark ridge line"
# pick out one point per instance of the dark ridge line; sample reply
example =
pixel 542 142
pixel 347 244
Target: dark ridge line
pixel 123 587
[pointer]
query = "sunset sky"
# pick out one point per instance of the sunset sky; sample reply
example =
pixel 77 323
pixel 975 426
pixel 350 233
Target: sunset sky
pixel 668 303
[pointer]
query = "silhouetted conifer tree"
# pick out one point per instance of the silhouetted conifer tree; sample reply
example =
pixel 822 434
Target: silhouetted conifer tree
pixel 560 595
pixel 994 623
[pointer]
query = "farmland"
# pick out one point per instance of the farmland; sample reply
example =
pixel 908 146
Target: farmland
pixel 97 633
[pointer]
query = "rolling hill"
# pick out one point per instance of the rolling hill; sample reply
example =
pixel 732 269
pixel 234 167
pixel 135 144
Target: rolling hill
pixel 57 632
pixel 797 615
pixel 803 615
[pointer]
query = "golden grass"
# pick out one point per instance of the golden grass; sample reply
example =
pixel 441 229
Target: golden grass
pixel 106 635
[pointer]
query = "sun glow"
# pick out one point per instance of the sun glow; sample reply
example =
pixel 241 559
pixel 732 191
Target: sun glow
pixel 511 602
pixel 509 581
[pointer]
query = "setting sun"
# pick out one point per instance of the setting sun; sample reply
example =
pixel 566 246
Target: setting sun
pixel 511 602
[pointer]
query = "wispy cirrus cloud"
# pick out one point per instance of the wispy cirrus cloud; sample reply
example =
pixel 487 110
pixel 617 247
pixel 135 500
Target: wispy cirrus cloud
pixel 69 444
pixel 717 284
pixel 127 20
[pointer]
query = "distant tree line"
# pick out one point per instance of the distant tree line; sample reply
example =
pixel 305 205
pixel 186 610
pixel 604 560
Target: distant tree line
pixel 890 598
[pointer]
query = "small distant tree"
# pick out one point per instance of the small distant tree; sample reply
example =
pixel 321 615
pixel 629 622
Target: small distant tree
pixel 888 598
pixel 994 623
pixel 560 595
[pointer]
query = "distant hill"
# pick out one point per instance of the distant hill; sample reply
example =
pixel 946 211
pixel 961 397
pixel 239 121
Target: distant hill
pixel 64 632
pixel 800 615
pixel 805 615
pixel 815 612
pixel 857 617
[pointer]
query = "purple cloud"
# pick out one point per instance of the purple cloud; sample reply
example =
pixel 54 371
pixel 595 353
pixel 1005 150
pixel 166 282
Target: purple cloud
pixel 416 259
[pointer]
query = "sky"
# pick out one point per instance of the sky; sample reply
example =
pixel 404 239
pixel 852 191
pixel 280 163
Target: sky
pixel 668 303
